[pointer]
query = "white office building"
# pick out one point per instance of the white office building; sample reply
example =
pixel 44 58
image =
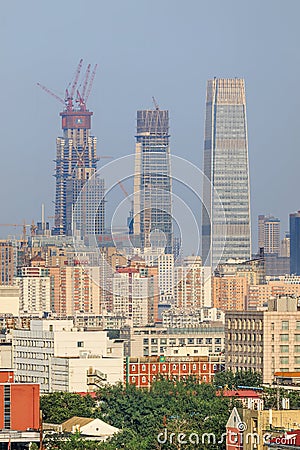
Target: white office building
pixel 59 356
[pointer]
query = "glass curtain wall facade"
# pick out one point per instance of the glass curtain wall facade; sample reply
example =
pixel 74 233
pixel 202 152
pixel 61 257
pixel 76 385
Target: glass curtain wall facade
pixel 152 181
pixel 295 243
pixel 226 166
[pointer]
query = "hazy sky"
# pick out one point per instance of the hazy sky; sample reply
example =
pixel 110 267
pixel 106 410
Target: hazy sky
pixel 165 48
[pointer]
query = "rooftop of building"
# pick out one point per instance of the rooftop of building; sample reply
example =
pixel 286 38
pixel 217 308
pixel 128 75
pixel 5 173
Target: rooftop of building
pixel 240 393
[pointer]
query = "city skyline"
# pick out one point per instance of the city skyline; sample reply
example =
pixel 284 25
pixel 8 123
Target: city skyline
pixel 125 83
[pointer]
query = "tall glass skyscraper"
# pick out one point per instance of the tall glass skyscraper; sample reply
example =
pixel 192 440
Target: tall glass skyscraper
pixel 295 243
pixel 152 180
pixel 226 166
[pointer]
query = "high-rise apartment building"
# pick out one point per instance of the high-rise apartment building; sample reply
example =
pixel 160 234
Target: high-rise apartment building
pixel 135 294
pixel 295 243
pixel 285 246
pixel 226 166
pixel 269 234
pixel 229 293
pixel 189 284
pixel 152 181
pixel 6 262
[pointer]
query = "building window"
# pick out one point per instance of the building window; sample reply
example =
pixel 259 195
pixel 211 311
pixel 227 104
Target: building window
pixel 80 344
pixel 297 349
pixel 297 337
pixel 273 362
pixel 285 325
pixel 297 324
pixel 284 359
pixel 285 337
pixel 7 406
pixel 284 349
pixel 297 360
pixel 272 326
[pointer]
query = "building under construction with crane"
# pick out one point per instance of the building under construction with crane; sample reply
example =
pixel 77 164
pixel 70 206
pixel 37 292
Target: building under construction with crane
pixel 152 180
pixel 76 163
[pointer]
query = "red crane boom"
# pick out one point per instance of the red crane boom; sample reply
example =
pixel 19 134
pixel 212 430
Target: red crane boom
pixel 72 92
pixel 86 79
pixel 51 93
pixel 90 83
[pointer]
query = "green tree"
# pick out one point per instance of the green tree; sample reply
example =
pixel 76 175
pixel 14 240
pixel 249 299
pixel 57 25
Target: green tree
pixel 240 378
pixel 60 406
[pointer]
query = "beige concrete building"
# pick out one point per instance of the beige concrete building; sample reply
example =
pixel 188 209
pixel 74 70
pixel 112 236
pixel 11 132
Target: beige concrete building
pixel 191 318
pixel 9 300
pixel 253 270
pixel 153 341
pixel 258 295
pixel 260 428
pixel 189 284
pixel 264 341
pixel 34 286
pixel 135 294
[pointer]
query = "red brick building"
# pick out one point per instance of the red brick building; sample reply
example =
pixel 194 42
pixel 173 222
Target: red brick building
pixel 142 372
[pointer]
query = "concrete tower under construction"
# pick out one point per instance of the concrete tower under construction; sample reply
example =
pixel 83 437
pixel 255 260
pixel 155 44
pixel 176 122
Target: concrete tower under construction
pixel 76 164
pixel 152 180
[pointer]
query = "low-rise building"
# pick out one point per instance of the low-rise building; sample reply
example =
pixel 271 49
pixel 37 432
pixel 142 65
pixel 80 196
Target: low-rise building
pixel 249 429
pixel 142 372
pixel 191 318
pixel 52 350
pixel 153 341
pixel 95 429
pixel 19 412
pixel 264 341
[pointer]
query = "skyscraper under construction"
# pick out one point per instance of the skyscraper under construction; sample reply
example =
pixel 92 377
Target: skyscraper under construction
pixel 152 180
pixel 76 165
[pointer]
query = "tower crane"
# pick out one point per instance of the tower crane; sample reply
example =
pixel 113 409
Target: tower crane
pixel 156 105
pixel 90 84
pixel 81 96
pixel 24 225
pixel 51 93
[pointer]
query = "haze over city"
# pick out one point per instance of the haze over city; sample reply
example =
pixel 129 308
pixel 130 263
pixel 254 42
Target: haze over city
pixel 167 49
